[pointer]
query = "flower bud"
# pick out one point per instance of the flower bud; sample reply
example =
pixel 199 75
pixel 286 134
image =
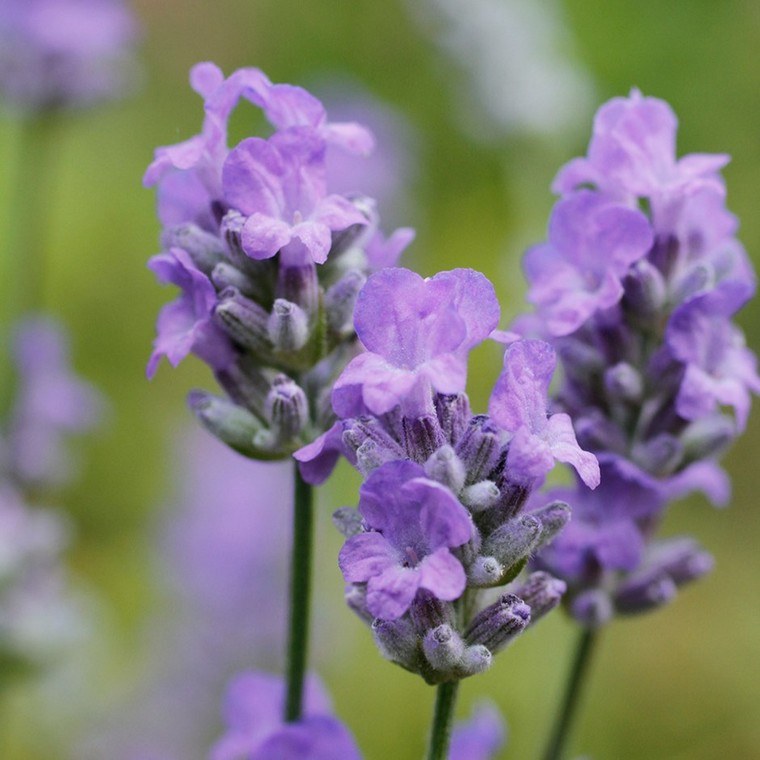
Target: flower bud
pixel 443 648
pixel 660 455
pixel 340 300
pixel 542 592
pixel 476 659
pixel 645 290
pixel 623 382
pixel 356 599
pixel 707 437
pixel 592 608
pixel 454 414
pixel 229 422
pixel 287 409
pixel 446 467
pixel 348 521
pixel 206 250
pixel 225 275
pixel 480 496
pixel 299 285
pixel 682 559
pixel 428 612
pixel 699 278
pixel 245 384
pixel 423 436
pixel 645 593
pixel 398 642
pixel 485 572
pixel 478 448
pixel 553 518
pixel 499 624
pixel 243 320
pixel 287 326
pixel 514 540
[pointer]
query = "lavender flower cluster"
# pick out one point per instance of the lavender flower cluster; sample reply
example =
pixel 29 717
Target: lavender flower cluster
pixel 268 260
pixel 636 287
pixel 441 513
pixel 60 53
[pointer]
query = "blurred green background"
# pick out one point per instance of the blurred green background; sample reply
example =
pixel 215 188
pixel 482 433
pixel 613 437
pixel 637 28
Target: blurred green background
pixel 683 683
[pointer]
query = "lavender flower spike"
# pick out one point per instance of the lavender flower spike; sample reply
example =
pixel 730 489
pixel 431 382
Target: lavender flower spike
pixel 411 525
pixel 417 333
pixel 518 404
pixel 255 731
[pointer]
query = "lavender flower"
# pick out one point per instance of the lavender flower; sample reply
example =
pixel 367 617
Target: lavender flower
pixel 481 737
pixel 58 53
pixel 255 731
pixel 441 513
pixel 649 371
pixel 268 259
pixel 51 403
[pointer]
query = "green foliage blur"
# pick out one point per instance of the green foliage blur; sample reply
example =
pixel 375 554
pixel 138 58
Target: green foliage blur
pixel 680 684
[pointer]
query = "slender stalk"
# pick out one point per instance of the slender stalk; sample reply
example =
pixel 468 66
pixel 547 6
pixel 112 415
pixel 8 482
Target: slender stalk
pixel 564 720
pixel 300 596
pixel 23 267
pixel 443 718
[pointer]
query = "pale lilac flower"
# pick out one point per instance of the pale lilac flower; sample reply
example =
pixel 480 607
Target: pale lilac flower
pixel 412 523
pixel 65 52
pixel 186 325
pixel 279 185
pixel 519 405
pixel 253 710
pixel 481 737
pixel 418 333
pixel 633 153
pixel 579 271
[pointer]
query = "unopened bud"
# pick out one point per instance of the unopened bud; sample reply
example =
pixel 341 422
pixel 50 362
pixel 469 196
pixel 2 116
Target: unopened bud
pixel 645 290
pixel 499 624
pixel 707 437
pixel 644 594
pixel 348 521
pixel 299 285
pixel 245 384
pixel 428 612
pixel 485 572
pixel 660 455
pixel 398 642
pixel 514 540
pixel 288 326
pixel 356 599
pixel 623 382
pixel 454 414
pixel 446 467
pixel 592 608
pixel 443 648
pixel 340 300
pixel 682 559
pixel 206 250
pixel 243 320
pixel 229 422
pixel 478 448
pixel 226 275
pixel 287 409
pixel 423 437
pixel 542 592
pixel 553 518
pixel 699 278
pixel 480 496
pixel 476 659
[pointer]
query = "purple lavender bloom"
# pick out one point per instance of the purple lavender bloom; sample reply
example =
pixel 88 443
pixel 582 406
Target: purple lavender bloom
pixel 519 405
pixel 64 52
pixel 253 710
pixel 51 403
pixel 418 333
pixel 632 154
pixel 412 523
pixel 186 325
pixel 592 244
pixel 481 737
pixel 719 369
pixel 280 186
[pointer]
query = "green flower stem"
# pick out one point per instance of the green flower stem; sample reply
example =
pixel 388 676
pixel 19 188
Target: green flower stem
pixel 564 721
pixel 443 718
pixel 300 596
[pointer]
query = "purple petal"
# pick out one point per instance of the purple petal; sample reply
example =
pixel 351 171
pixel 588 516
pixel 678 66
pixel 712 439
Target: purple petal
pixel 564 447
pixel 317 460
pixel 442 574
pixel 364 556
pixel 390 594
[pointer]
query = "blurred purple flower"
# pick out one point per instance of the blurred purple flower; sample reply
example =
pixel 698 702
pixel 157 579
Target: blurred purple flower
pixel 253 709
pixel 65 52
pixel 481 737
